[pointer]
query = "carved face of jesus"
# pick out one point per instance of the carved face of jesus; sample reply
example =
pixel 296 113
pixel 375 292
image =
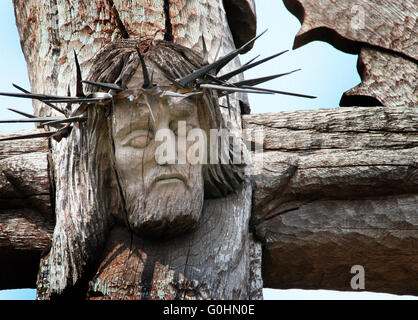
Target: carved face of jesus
pixel 161 199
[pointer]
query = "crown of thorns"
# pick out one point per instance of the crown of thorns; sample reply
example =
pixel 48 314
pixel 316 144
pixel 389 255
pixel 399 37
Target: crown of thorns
pixel 195 83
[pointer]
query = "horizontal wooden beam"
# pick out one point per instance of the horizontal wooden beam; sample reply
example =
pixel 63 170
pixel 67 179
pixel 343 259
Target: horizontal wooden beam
pixel 26 218
pixel 336 188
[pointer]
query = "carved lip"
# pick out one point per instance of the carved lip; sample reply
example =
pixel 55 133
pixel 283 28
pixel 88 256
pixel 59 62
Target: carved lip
pixel 170 177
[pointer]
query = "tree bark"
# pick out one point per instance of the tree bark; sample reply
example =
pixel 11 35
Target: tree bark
pixel 337 188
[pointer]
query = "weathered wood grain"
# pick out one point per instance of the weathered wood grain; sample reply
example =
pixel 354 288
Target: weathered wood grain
pixel 385 36
pixel 26 219
pixel 336 188
pixel 242 20
pixel 80 162
pixel 388 79
pixel 315 245
pixel 334 153
pixel 390 25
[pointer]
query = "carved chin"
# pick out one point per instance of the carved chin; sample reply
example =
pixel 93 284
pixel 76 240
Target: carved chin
pixel 169 209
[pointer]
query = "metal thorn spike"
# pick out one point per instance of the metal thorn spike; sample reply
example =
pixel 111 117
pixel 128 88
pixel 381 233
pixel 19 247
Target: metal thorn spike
pixel 216 65
pixel 147 82
pixel 149 108
pixel 175 82
pixel 205 51
pixel 254 82
pixel 282 92
pixel 66 120
pixel 41 120
pixel 249 66
pixel 28 92
pixel 232 89
pixel 31 96
pixel 22 113
pixel 110 86
pixel 31 136
pixel 229 105
pixel 79 83
pixel 78 100
pixel 250 61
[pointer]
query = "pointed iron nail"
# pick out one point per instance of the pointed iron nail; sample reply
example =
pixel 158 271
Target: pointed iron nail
pixel 22 113
pixel 30 136
pixel 48 104
pixel 79 84
pixel 110 86
pixel 43 119
pixel 66 120
pixel 229 105
pixel 282 92
pixel 205 51
pixel 149 108
pixel 147 83
pixel 216 65
pixel 254 82
pixel 232 89
pixel 249 66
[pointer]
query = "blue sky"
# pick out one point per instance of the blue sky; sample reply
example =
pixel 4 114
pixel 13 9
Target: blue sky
pixel 326 73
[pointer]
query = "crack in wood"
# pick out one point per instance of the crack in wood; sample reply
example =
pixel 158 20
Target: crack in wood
pixel 119 22
pixel 168 35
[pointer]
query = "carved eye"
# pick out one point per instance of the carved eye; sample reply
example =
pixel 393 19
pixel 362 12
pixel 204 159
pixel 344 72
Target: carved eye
pixel 180 127
pixel 138 139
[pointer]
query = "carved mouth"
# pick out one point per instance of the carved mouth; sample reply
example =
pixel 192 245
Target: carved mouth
pixel 170 178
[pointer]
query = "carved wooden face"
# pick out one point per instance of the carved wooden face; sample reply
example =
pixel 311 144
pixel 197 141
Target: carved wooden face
pixel 162 200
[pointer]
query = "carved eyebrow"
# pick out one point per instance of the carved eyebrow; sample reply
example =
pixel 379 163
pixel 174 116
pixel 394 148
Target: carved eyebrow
pixel 181 107
pixel 139 124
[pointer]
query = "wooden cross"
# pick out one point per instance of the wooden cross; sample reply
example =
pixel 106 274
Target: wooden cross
pixel 335 187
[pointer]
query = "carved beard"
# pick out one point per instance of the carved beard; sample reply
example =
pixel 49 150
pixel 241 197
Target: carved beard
pixel 166 207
